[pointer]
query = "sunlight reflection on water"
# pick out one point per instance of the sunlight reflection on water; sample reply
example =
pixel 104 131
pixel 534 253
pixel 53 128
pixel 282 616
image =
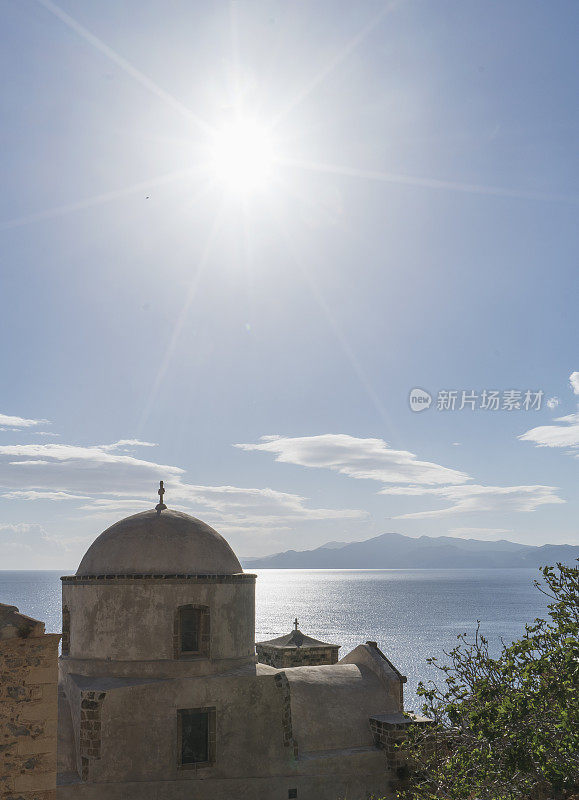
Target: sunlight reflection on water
pixel 412 614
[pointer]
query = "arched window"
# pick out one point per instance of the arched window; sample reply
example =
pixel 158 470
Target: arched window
pixel 191 634
pixel 65 641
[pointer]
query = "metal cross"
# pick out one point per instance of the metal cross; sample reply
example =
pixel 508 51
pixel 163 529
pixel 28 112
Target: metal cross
pixel 161 491
pixel 296 623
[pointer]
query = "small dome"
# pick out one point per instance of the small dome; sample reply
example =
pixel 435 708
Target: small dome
pixel 159 543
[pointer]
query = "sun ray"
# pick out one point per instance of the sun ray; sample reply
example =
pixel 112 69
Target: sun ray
pixel 180 321
pixel 125 65
pixel 345 346
pixel 427 183
pixel 343 54
pixel 96 200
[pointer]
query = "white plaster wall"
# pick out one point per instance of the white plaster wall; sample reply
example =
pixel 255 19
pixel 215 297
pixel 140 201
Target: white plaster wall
pixel 331 706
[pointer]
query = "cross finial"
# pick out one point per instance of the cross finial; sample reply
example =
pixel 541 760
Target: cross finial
pixel 161 491
pixel 296 623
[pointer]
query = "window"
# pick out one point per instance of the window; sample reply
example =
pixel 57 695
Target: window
pixel 192 631
pixel 291 793
pixel 65 641
pixel 190 619
pixel 196 736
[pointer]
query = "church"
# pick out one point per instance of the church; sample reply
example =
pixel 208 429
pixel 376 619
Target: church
pixel 162 696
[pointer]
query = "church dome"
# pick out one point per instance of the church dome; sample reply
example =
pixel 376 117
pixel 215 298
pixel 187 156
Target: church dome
pixel 159 543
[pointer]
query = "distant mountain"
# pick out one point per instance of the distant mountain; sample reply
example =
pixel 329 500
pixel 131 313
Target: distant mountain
pixel 395 551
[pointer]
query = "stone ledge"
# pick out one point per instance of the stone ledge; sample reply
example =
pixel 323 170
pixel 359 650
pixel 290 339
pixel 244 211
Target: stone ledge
pixel 238 577
pixel 397 721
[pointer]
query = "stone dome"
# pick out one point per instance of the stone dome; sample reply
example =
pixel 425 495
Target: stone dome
pixel 159 543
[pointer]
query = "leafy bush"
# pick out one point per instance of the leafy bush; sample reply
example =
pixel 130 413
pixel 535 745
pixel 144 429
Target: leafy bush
pixel 508 727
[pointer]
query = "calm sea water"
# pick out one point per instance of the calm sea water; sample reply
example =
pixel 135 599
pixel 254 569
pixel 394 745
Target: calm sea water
pixel 412 614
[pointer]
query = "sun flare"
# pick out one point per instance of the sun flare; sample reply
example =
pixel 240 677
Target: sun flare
pixel 242 156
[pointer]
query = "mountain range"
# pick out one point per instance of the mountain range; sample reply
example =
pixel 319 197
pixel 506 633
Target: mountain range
pixel 395 551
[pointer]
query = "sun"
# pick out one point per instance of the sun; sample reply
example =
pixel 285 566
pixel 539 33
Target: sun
pixel 242 156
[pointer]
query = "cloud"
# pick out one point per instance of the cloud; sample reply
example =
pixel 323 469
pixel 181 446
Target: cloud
pixel 574 382
pixel 370 459
pixel 468 499
pixel 125 444
pixel 19 422
pixel 110 482
pixel 31 494
pixel 31 537
pixel 565 435
pixel 227 506
pixel 98 469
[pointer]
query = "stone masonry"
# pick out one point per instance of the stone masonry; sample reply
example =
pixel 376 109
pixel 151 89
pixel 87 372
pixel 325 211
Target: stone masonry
pixel 389 732
pixel 28 707
pixel 295 649
pixel 90 729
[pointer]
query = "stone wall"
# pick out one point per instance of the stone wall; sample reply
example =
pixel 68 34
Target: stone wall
pixel 126 624
pixel 389 732
pixel 28 707
pixel 282 658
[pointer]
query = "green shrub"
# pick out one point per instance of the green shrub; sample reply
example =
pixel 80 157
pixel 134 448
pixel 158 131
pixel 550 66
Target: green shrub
pixel 508 727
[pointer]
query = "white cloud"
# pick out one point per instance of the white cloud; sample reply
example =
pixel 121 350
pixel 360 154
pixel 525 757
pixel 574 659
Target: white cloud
pixel 469 499
pixel 15 423
pixel 29 536
pixel 98 469
pixel 372 459
pixel 111 483
pixel 125 444
pixel 227 506
pixel 32 494
pixel 574 382
pixel 565 435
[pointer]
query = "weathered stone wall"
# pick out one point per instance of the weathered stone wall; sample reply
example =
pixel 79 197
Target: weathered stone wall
pixel 282 658
pixel 126 624
pixel 28 708
pixel 389 732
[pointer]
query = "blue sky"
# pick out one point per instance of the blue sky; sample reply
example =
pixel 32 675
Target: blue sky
pixel 400 213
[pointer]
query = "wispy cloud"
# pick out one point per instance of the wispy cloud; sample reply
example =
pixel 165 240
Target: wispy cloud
pixel 476 498
pixel 125 444
pixel 108 481
pixel 96 469
pixel 32 494
pixel 371 459
pixel 15 423
pixel 562 435
pixel 30 537
pixel 566 433
pixel 227 506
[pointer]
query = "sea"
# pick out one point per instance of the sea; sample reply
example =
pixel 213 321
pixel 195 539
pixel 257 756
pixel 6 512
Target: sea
pixel 412 614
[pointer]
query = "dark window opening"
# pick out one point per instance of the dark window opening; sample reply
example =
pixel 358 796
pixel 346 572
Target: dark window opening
pixel 196 736
pixel 291 793
pixel 192 631
pixel 65 641
pixel 190 619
